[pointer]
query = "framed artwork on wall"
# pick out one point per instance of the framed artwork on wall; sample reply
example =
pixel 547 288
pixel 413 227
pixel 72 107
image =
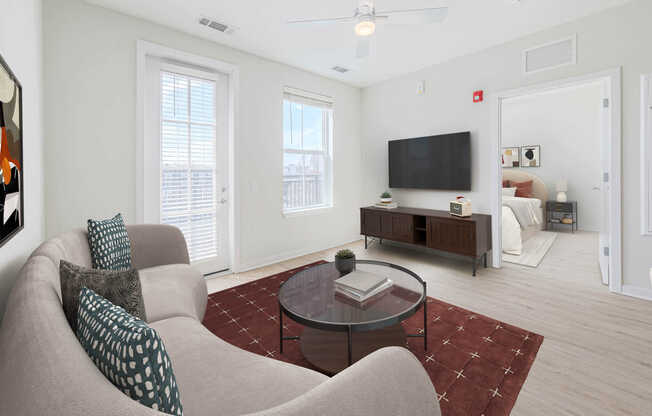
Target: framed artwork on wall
pixel 531 156
pixel 11 155
pixel 511 157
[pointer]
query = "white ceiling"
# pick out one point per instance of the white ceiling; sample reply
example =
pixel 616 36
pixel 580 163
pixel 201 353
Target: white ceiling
pixel 472 25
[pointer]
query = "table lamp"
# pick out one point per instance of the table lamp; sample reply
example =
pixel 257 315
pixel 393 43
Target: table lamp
pixel 562 187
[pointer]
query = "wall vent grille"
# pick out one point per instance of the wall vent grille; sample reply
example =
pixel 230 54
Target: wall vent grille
pixel 215 25
pixel 550 55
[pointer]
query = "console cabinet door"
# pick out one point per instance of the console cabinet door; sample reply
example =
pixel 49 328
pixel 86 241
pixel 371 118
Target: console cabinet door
pixel 386 225
pixel 452 236
pixel 403 228
pixel 371 223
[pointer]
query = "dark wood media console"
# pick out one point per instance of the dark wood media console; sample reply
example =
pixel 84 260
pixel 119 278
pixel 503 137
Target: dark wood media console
pixel 438 230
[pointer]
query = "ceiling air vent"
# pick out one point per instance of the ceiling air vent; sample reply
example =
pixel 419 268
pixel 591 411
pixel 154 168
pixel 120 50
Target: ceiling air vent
pixel 215 25
pixel 340 69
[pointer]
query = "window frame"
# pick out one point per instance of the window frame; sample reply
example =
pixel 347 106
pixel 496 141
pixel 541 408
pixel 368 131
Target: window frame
pixel 326 105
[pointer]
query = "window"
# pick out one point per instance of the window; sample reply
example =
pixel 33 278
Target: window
pixel 307 160
pixel 188 160
pixel 186 105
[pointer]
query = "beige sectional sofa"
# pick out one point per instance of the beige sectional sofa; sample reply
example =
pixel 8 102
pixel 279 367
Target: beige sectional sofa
pixel 45 371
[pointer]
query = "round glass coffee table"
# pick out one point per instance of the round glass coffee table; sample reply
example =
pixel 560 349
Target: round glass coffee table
pixel 339 331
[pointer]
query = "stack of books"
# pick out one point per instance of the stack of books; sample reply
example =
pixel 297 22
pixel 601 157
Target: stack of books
pixel 386 205
pixel 362 286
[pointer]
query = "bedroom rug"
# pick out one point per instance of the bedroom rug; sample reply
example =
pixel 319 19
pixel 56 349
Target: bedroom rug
pixel 534 249
pixel 477 364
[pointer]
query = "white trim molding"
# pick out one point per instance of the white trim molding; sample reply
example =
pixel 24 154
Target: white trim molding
pixel 146 49
pixel 289 255
pixel 646 154
pixel 613 80
pixel 637 292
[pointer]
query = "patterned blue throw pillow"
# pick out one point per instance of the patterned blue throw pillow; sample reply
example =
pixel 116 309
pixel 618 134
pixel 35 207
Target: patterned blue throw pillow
pixel 128 352
pixel 109 243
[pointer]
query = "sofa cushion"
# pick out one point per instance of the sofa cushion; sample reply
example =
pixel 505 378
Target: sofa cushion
pixel 128 352
pixel 109 244
pixel 173 290
pixel 216 377
pixel 122 288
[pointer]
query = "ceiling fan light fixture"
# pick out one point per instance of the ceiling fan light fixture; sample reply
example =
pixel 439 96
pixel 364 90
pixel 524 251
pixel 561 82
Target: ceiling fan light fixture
pixel 365 26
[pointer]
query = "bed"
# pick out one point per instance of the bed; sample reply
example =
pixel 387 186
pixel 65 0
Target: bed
pixel 522 217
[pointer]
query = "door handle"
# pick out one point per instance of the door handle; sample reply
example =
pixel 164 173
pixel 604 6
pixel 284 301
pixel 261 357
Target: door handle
pixel 223 201
pixel 595 188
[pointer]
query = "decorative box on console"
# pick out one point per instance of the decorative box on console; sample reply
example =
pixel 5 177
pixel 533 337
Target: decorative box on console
pixel 461 207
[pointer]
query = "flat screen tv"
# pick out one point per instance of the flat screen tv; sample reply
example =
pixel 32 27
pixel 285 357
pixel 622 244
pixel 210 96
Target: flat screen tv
pixel 433 162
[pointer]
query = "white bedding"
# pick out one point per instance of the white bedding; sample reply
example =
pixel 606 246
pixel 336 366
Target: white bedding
pixel 527 210
pixel 511 235
pixel 517 215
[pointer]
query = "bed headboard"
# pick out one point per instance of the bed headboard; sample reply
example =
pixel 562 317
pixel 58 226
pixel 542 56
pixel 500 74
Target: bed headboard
pixel 539 189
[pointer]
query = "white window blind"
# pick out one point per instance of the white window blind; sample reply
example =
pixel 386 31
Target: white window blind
pixel 188 160
pixel 307 160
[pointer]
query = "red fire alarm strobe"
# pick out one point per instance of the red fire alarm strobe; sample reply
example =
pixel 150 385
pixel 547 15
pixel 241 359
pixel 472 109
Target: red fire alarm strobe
pixel 478 96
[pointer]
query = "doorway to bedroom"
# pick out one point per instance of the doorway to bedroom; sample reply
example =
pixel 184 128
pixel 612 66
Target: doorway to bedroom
pixel 556 190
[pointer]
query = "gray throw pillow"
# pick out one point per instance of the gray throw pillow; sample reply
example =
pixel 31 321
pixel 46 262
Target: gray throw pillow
pixel 121 288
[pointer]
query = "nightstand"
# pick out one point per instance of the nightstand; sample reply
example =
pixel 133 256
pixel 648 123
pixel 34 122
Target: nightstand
pixel 556 211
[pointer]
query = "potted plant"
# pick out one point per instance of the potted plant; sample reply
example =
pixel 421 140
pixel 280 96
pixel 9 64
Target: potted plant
pixel 345 261
pixel 385 197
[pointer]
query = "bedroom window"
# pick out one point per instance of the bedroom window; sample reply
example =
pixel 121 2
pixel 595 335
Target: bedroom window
pixel 307 157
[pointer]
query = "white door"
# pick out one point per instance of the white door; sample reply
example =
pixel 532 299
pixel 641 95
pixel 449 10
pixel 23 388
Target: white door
pixel 605 160
pixel 186 158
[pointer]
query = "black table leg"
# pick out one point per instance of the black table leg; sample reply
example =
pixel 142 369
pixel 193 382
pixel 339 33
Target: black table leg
pixel 280 327
pixel 425 318
pixel 350 344
pixel 365 242
pixel 475 262
pixel 485 260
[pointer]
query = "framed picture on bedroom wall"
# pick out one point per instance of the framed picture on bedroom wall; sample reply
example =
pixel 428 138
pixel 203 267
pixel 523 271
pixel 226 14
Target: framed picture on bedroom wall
pixel 531 156
pixel 511 157
pixel 11 154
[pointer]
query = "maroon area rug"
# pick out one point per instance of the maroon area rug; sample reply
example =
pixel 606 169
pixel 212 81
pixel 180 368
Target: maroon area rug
pixel 477 364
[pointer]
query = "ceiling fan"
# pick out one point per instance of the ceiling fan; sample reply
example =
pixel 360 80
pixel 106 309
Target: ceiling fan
pixel 366 17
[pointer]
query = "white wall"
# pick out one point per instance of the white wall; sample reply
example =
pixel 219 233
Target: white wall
pixel 566 124
pixel 617 37
pixel 20 46
pixel 90 97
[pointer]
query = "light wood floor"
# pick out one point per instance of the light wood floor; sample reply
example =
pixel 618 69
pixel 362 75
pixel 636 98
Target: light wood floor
pixel 596 358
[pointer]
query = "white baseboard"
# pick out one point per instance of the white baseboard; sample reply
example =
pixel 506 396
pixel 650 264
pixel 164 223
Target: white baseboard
pixel 637 292
pixel 266 261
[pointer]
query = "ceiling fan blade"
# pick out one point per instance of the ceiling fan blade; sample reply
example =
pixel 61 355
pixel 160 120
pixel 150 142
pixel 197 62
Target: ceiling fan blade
pixel 414 16
pixel 326 20
pixel 363 48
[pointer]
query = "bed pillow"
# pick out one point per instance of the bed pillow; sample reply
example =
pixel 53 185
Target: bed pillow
pixel 505 183
pixel 509 191
pixel 523 189
pixel 109 244
pixel 128 352
pixel 121 288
